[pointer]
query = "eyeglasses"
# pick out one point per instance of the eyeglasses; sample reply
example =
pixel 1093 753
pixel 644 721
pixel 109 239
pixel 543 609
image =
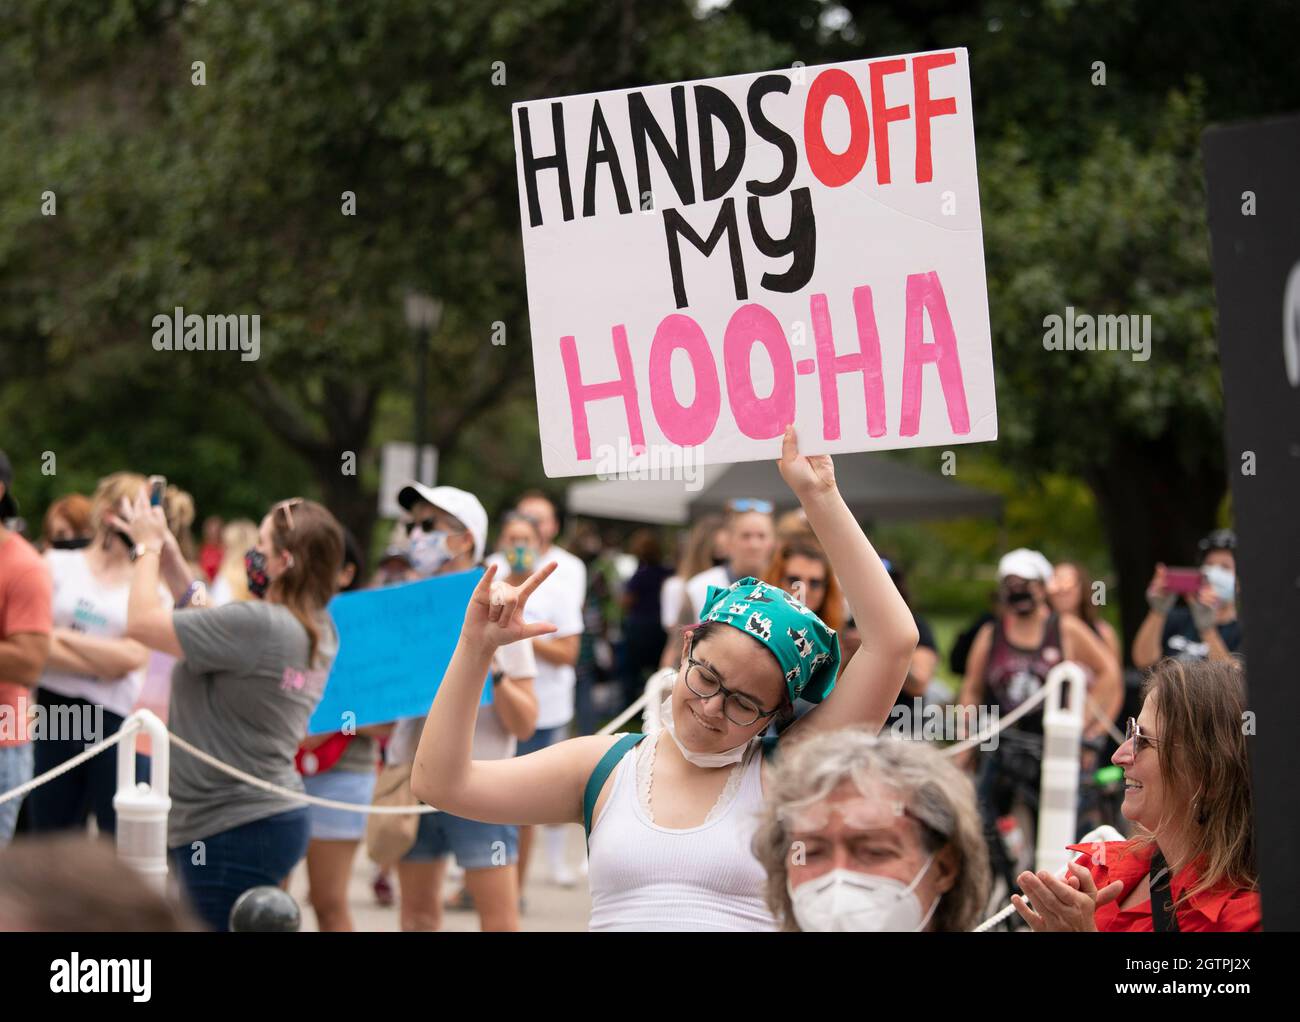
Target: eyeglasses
pixel 1133 733
pixel 739 709
pixel 808 583
pixel 763 507
pixel 286 506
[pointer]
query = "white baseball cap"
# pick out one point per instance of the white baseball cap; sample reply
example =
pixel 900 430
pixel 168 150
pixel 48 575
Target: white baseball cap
pixel 460 504
pixel 1026 564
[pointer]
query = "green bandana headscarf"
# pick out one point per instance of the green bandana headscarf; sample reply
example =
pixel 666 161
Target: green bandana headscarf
pixel 807 649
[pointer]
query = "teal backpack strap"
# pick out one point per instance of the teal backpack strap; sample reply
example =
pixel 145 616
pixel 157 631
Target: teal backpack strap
pixel 598 776
pixel 769 745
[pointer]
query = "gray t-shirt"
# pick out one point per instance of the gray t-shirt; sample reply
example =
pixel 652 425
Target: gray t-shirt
pixel 242 693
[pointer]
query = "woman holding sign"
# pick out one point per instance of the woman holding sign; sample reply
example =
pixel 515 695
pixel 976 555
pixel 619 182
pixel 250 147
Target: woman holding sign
pixel 671 822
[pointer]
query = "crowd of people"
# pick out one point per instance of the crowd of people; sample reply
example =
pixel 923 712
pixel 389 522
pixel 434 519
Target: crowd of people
pixel 771 788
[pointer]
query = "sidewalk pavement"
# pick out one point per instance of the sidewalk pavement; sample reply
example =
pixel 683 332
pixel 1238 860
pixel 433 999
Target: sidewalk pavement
pixel 549 908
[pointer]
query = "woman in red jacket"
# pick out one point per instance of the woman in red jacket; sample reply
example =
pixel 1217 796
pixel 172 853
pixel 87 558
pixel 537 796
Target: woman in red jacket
pixel 1187 787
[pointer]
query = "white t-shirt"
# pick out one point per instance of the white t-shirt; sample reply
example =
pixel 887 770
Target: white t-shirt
pixel 570 573
pixel 84 605
pixel 697 586
pixel 558 601
pixel 491 739
pixel 671 595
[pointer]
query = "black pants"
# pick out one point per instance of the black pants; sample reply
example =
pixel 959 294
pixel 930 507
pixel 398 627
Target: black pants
pixel 66 802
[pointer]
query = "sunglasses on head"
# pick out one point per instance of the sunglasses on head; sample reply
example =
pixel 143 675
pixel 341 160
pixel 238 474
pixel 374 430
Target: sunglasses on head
pixel 287 507
pixel 763 507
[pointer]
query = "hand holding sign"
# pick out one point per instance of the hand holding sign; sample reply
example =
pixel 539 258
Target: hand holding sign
pixel 495 616
pixel 807 476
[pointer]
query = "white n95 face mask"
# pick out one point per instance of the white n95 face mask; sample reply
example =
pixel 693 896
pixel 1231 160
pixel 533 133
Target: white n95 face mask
pixel 699 759
pixel 846 901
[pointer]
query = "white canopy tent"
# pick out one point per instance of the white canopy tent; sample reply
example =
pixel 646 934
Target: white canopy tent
pixel 876 488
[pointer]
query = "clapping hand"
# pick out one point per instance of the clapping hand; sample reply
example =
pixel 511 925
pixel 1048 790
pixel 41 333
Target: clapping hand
pixel 1068 904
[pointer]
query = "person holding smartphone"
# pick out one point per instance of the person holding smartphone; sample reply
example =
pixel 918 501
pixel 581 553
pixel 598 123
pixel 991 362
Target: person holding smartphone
pixel 1197 621
pixel 94 673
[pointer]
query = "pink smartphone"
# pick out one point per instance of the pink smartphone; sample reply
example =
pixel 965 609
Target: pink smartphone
pixel 1183 581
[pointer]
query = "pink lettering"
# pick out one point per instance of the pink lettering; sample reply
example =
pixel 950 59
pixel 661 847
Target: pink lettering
pixel 691 424
pixel 866 361
pixel 925 294
pixel 758 418
pixel 580 394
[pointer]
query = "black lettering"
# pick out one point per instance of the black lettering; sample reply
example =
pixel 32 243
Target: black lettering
pixel 675 225
pixel 532 164
pixel 800 242
pixel 677 162
pixel 713 105
pixel 600 149
pixel 769 132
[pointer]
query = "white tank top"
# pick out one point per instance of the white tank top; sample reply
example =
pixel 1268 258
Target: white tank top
pixel 647 877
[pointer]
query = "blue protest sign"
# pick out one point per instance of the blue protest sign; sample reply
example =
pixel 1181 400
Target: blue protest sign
pixel 394 646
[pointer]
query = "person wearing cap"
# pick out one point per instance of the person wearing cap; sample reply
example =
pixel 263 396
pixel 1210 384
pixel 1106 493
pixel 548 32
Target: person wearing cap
pixel 1199 627
pixel 1009 662
pixel 520 542
pixel 26 620
pixel 448 533
pixel 671 819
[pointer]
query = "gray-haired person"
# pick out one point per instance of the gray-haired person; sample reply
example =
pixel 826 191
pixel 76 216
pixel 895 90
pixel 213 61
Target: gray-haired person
pixel 861 833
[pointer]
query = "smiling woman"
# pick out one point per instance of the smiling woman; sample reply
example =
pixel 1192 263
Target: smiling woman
pixel 1187 787
pixel 671 820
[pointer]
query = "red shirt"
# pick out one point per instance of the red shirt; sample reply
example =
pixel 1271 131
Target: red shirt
pixel 1221 909
pixel 26 602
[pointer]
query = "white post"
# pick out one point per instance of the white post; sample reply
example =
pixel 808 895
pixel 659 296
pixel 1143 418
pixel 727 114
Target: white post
pixel 1058 799
pixel 142 808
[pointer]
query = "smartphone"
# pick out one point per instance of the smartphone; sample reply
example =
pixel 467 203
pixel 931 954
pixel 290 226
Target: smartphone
pixel 157 487
pixel 1183 581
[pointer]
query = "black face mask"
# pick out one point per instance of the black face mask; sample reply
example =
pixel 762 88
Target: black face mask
pixel 1021 601
pixel 76 543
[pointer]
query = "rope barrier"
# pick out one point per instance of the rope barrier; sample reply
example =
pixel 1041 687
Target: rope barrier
pixel 127 729
pixel 328 803
pixel 131 726
pixel 1002 724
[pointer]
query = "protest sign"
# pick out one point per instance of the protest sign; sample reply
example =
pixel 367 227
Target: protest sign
pixel 711 260
pixel 394 646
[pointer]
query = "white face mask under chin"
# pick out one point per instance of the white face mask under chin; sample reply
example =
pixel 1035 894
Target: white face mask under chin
pixel 699 759
pixel 846 901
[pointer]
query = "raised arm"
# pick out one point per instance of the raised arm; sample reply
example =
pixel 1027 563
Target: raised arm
pixel 543 787
pixel 871 681
pixel 148 620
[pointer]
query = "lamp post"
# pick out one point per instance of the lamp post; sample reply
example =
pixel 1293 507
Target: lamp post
pixel 423 313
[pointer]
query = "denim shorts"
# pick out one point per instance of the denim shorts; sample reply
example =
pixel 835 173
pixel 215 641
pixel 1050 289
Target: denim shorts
pixel 15 770
pixel 476 845
pixel 542 738
pixel 341 786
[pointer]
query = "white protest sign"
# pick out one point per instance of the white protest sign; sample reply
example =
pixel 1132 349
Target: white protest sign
pixel 709 261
